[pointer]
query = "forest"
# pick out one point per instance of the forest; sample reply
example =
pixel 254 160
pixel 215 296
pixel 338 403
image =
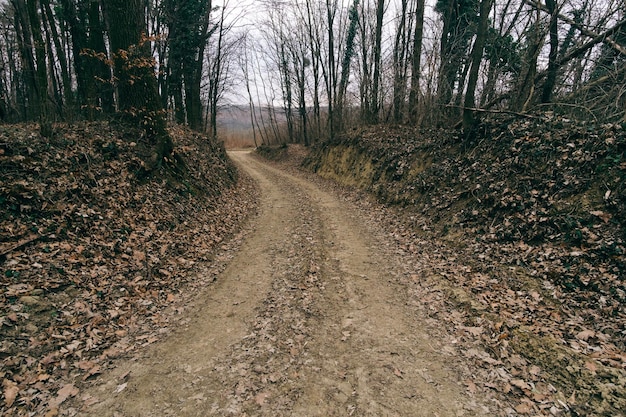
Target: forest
pixel 432 221
pixel 320 67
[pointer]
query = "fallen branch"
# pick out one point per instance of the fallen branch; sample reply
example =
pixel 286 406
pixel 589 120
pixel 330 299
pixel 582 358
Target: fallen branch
pixel 478 110
pixel 5 251
pixel 575 106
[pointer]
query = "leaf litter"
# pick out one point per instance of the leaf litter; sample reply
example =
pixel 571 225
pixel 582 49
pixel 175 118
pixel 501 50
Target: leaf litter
pixel 93 253
pixel 519 294
pixel 515 237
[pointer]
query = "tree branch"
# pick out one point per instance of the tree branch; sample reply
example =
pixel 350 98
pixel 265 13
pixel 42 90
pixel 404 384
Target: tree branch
pixel 619 48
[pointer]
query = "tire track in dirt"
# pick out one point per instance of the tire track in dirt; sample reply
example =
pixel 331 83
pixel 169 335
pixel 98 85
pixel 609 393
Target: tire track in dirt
pixel 370 356
pixel 309 319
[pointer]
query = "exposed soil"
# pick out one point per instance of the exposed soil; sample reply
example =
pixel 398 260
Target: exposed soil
pixel 314 315
pixel 532 210
pixel 139 297
pixel 96 260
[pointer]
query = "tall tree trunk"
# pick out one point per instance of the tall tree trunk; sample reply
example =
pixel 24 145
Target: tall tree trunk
pixel 399 76
pixel 302 107
pixel 30 98
pixel 366 82
pixel 287 87
pixel 375 100
pixel 447 72
pixel 548 87
pixel 41 79
pixel 314 46
pixel 300 63
pixel 526 81
pixel 55 94
pixel 345 66
pixel 139 98
pixel 244 63
pixel 13 78
pixel 331 73
pixel 416 62
pixel 102 91
pixel 198 65
pixel 477 55
pixel 215 78
pixel 188 30
pixel 78 35
pixel 60 54
pixel 175 63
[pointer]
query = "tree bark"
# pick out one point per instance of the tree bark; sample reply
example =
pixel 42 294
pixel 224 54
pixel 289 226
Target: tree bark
pixel 78 36
pixel 138 96
pixel 345 66
pixel 41 79
pixel 101 95
pixel 526 81
pixel 331 74
pixel 548 87
pixel 375 99
pixel 56 39
pixel 477 55
pixel 314 46
pixel 399 75
pixel 416 61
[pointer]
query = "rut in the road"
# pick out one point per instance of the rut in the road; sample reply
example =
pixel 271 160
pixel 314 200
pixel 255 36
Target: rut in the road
pixel 310 318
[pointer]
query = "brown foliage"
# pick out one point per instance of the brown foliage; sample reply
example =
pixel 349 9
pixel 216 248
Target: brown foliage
pixel 91 254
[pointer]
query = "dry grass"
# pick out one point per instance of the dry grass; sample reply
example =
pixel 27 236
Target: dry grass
pixel 238 139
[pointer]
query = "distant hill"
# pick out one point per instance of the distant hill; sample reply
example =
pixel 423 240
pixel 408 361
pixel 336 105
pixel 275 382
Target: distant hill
pixel 235 124
pixel 236 117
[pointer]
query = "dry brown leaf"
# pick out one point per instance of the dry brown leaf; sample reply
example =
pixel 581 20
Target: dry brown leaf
pixel 605 217
pixel 524 408
pixel 67 391
pixel 86 365
pixel 96 370
pixel 591 366
pixel 139 256
pixel 261 398
pixel 520 383
pixel 10 392
pixel 471 386
pixel 53 412
pixel 534 370
pixel 585 335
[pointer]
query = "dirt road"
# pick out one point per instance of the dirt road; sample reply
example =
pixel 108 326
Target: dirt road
pixel 310 318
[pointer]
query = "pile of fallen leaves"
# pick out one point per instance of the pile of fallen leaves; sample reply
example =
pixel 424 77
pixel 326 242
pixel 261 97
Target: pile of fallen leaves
pixel 92 250
pixel 536 209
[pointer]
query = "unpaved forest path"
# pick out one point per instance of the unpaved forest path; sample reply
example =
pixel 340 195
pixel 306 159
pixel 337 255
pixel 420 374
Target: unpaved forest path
pixel 310 318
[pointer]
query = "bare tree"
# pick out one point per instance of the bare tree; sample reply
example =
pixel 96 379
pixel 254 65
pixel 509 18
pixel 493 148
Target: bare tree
pixel 477 55
pixel 137 89
pixel 416 61
pixel 374 110
pixel 548 86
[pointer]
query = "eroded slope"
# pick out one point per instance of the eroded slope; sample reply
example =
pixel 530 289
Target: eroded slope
pixel 536 208
pixel 92 253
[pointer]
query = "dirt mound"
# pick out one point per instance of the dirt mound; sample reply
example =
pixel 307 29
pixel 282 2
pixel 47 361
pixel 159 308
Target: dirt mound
pixel 92 251
pixel 536 208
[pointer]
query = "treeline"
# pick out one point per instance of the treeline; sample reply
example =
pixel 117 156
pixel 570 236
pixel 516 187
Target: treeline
pixel 89 59
pixel 316 66
pixel 341 63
